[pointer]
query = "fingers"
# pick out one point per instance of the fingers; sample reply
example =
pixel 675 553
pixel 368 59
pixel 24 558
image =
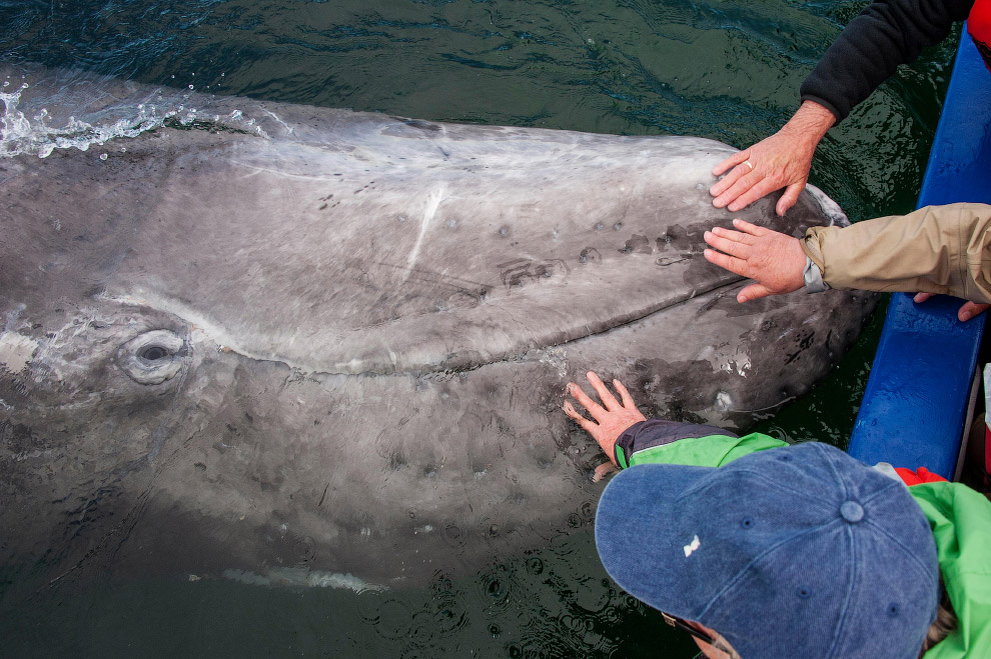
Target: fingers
pixel 738 166
pixel 733 185
pixel 726 262
pixel 602 471
pixel 583 399
pixel 732 252
pixel 730 162
pixel 747 227
pixel 721 186
pixel 608 400
pixel 757 186
pixel 969 310
pixel 624 394
pixel 582 421
pixel 753 292
pixel 730 242
pixel 789 197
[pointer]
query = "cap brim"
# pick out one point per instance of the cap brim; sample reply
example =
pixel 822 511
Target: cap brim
pixel 640 536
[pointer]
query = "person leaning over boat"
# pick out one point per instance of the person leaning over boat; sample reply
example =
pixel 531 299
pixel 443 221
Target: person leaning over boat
pixel 936 249
pixel 763 550
pixel 867 52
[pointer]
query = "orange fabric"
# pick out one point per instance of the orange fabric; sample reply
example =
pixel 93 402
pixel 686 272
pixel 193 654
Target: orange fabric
pixel 919 476
pixel 979 27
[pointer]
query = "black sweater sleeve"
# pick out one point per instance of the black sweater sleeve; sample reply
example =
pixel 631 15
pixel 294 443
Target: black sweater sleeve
pixel 887 33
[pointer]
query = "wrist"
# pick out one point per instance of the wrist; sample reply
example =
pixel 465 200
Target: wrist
pixel 810 122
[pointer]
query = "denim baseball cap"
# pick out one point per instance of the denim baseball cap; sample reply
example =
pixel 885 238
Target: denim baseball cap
pixel 800 551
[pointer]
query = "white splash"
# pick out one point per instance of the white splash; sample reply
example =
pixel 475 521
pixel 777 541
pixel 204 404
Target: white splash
pixel 690 548
pixel 38 134
pixel 36 119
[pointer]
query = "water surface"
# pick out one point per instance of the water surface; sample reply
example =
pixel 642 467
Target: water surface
pixel 728 70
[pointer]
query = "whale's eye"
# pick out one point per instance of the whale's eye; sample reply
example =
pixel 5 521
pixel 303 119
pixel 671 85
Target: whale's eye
pixel 152 357
pixel 154 353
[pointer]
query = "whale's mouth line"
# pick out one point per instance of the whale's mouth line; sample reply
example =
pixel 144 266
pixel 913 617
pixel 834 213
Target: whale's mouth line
pixel 225 341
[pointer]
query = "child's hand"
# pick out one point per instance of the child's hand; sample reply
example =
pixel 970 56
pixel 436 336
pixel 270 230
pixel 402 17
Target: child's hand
pixel 612 418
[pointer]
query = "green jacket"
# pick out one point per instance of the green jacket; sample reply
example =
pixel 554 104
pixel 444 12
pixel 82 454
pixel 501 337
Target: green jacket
pixel 960 519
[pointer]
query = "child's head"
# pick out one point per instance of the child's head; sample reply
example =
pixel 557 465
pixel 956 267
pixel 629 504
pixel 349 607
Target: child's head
pixel 800 551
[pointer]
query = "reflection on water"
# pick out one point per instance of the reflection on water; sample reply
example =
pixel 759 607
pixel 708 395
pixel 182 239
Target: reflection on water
pixel 548 603
pixel 727 70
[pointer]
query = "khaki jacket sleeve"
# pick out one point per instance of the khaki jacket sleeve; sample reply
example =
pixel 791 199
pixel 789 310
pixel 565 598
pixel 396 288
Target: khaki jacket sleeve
pixel 936 249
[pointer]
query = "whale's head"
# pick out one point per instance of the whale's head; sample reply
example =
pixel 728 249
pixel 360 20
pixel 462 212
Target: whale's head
pixel 340 345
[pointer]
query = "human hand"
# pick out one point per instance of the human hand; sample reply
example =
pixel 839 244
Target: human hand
pixel 612 418
pixel 604 470
pixel 967 311
pixel 774 259
pixel 782 160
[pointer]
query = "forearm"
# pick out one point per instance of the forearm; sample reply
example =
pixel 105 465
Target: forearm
pixel 868 51
pixel 936 249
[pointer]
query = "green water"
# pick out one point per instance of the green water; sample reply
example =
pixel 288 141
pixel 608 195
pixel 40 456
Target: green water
pixel 728 70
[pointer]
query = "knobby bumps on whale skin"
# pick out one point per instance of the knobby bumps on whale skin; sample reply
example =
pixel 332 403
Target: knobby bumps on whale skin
pixel 295 332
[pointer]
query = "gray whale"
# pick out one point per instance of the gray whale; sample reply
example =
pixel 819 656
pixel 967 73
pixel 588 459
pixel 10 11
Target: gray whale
pixel 285 340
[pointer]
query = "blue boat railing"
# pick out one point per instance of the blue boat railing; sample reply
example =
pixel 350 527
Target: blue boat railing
pixel 915 406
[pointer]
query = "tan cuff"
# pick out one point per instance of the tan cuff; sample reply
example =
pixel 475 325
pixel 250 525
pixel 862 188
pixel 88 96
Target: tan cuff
pixel 812 274
pixel 812 246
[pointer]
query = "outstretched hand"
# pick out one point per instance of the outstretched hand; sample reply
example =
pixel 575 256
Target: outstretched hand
pixel 774 259
pixel 612 418
pixel 967 310
pixel 782 160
